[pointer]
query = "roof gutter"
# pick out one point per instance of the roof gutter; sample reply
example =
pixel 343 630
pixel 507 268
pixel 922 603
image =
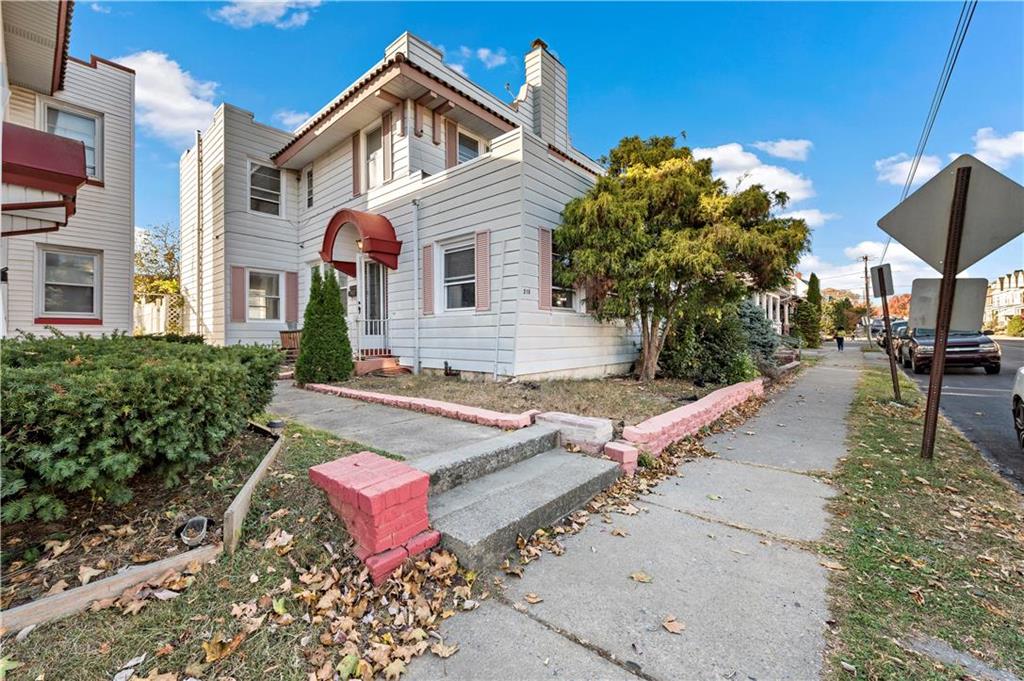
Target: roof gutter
pixel 61 45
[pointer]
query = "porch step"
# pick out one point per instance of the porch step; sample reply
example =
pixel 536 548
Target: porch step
pixel 481 519
pixel 458 466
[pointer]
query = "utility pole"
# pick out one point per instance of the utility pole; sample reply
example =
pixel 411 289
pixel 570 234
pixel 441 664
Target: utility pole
pixel 867 301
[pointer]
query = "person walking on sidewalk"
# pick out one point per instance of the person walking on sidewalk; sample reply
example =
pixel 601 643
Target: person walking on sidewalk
pixel 840 340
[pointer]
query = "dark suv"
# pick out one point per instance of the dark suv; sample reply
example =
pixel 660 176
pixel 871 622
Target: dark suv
pixel 964 349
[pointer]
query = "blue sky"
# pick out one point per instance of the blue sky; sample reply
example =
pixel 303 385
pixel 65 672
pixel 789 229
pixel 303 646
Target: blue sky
pixel 846 86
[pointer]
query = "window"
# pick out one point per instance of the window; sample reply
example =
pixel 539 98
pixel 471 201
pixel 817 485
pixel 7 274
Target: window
pixel 70 283
pixel 309 188
pixel 469 147
pixel 561 297
pixel 459 276
pixel 374 165
pixel 264 189
pixel 77 126
pixel 264 296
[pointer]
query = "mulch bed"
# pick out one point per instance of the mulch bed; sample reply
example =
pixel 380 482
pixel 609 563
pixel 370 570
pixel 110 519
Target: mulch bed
pixel 97 539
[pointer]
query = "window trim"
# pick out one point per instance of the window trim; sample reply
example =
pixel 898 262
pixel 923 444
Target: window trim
pixel 281 295
pixel 482 146
pixel 280 192
pixel 441 286
pixel 308 178
pixel 47 103
pixel 42 314
pixel 364 160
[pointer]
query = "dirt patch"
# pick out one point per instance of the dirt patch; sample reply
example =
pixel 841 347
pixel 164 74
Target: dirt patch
pixel 96 539
pixel 623 400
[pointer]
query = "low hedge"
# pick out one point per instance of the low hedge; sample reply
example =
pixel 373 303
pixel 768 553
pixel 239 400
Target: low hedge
pixel 84 415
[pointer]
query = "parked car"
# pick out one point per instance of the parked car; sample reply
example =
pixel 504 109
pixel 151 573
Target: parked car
pixel 877 329
pixel 883 340
pixel 1018 407
pixel 964 349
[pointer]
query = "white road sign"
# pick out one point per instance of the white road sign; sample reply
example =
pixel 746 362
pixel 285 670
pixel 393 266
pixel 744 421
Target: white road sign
pixel 994 216
pixel 881 274
pixel 968 304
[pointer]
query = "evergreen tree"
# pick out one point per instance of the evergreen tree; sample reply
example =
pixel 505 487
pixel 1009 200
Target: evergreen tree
pixel 325 353
pixel 808 314
pixel 814 291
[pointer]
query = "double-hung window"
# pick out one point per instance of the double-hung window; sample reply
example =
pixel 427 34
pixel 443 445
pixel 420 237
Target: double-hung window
pixel 309 188
pixel 562 297
pixel 374 162
pixel 71 282
pixel 264 296
pixel 459 277
pixel 80 126
pixel 264 189
pixel 469 147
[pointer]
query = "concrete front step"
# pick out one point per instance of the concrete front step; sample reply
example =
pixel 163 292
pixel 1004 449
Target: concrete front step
pixel 480 520
pixel 455 467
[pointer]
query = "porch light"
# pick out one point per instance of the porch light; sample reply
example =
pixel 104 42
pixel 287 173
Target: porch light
pixel 359 245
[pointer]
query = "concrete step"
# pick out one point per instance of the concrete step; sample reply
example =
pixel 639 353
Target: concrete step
pixel 458 466
pixel 481 519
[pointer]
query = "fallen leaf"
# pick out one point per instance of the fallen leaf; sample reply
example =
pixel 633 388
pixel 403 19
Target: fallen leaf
pixel 443 651
pixel 217 648
pixel 58 547
pixel 85 573
pixel 640 576
pixel 832 565
pixel 532 599
pixel 165 649
pixel 347 667
pixel 619 532
pixel 57 588
pixel 672 625
pixel 395 669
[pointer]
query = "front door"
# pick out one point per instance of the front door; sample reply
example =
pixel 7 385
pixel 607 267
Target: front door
pixel 373 304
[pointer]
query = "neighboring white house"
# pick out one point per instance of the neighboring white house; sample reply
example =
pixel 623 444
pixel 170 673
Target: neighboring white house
pixel 1005 300
pixel 779 305
pixel 68 179
pixel 433 201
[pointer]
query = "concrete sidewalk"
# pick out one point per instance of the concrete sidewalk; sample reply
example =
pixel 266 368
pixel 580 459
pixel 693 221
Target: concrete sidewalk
pixel 397 431
pixel 725 544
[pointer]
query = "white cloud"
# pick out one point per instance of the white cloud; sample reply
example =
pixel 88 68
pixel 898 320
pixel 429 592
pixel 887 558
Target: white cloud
pixel 97 7
pixel 740 169
pixel 894 169
pixel 794 150
pixel 169 102
pixel 458 68
pixel 291 119
pixel 812 216
pixel 850 275
pixel 491 58
pixel 277 13
pixel 996 151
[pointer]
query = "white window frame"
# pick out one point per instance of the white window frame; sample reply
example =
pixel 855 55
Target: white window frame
pixel 364 157
pixel 441 286
pixel 48 103
pixel 282 294
pixel 248 193
pixel 308 179
pixel 97 287
pixel 481 144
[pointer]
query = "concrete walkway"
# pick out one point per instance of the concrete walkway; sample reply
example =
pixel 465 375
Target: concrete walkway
pixel 398 431
pixel 725 545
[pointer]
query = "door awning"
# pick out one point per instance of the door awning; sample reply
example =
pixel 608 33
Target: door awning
pixel 41 177
pixel 376 240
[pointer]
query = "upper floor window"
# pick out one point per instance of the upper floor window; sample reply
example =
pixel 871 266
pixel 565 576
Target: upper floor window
pixel 70 282
pixel 264 189
pixel 561 296
pixel 459 276
pixel 83 127
pixel 374 160
pixel 309 188
pixel 469 147
pixel 264 296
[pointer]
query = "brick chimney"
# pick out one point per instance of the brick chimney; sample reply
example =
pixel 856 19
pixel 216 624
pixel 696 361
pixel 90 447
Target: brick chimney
pixel 546 75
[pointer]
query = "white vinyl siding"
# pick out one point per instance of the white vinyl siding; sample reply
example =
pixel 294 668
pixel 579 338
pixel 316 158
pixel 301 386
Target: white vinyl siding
pixel 264 296
pixel 69 283
pixel 264 189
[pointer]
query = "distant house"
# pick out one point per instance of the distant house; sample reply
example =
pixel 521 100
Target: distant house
pixel 68 179
pixel 1004 300
pixel 431 199
pixel 779 305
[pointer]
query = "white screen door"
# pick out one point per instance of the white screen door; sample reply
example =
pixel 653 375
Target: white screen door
pixel 374 305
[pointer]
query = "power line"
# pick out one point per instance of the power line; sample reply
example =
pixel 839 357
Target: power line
pixel 952 54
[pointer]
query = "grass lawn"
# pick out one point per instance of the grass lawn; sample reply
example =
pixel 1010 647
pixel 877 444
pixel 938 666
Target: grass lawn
pixel 284 609
pixel 620 399
pixel 931 548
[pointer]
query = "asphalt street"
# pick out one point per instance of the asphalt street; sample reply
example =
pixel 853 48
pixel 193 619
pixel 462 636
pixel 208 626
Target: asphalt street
pixel 980 406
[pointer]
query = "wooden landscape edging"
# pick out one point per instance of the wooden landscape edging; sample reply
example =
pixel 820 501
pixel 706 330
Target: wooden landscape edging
pixel 75 600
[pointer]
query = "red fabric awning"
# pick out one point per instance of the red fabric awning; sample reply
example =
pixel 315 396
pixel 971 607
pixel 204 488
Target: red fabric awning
pixel 33 158
pixel 375 232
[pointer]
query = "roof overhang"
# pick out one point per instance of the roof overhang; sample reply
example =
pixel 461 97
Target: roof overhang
pixel 377 239
pixel 41 177
pixel 36 39
pixel 384 88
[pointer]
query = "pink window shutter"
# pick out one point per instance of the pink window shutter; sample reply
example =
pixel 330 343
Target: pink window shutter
pixel 451 143
pixel 387 144
pixel 355 165
pixel 238 304
pixel 291 300
pixel 428 279
pixel 483 271
pixel 544 257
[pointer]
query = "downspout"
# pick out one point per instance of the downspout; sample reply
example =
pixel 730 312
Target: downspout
pixel 417 282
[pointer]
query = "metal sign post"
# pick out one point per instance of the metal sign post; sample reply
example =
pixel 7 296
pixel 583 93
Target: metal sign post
pixel 947 290
pixel 881 277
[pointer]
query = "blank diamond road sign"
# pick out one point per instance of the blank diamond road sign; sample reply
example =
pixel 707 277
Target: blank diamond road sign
pixel 994 216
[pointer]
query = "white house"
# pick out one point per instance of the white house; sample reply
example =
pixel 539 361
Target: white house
pixel 779 305
pixel 68 178
pixel 1005 299
pixel 430 198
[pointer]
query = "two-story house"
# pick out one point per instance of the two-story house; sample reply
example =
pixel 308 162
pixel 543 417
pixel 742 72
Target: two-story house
pixel 68 178
pixel 431 199
pixel 1005 300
